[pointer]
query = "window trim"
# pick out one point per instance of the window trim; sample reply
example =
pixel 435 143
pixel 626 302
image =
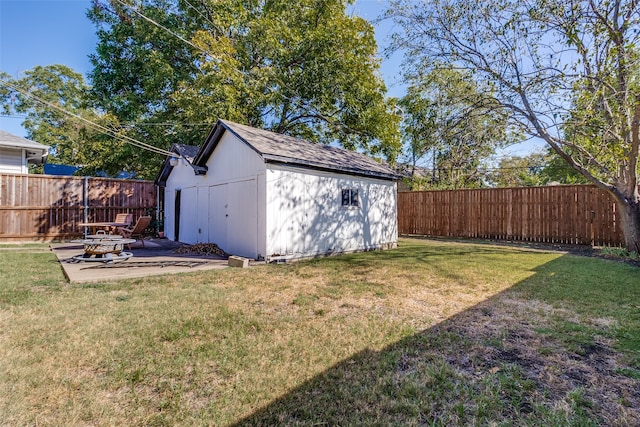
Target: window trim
pixel 350 197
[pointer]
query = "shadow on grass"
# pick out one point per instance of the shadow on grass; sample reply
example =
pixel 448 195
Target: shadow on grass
pixel 532 355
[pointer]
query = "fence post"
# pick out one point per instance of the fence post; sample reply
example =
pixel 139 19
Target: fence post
pixel 85 201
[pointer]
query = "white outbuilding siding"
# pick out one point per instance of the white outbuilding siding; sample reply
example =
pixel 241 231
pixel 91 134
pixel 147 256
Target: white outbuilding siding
pixel 305 215
pixel 219 207
pixel 258 201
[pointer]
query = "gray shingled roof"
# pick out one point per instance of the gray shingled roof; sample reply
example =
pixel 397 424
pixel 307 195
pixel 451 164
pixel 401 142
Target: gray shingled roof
pixel 10 140
pixel 277 148
pixel 188 151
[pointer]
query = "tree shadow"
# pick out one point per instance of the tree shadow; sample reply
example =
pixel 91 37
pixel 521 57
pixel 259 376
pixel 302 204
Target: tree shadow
pixel 59 220
pixel 311 220
pixel 502 361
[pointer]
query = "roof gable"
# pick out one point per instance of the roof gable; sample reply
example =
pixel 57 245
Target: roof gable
pixel 278 148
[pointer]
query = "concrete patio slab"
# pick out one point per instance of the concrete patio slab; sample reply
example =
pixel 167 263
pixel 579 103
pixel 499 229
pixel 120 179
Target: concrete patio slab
pixel 158 257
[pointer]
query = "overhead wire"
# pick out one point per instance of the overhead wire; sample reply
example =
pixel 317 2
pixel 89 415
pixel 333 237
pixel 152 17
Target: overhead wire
pixel 199 13
pixel 157 150
pixel 208 53
pixel 133 141
pixel 161 26
pixel 104 129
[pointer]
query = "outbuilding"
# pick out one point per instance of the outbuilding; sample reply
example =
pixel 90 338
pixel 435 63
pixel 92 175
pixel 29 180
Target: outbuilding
pixel 264 195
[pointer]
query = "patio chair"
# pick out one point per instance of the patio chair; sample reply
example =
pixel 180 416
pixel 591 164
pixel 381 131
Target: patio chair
pixel 124 218
pixel 137 230
pixel 121 218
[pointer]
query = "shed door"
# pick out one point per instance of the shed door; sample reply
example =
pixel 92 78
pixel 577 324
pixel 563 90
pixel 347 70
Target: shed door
pixel 218 216
pixel 202 215
pixel 176 217
pixel 242 224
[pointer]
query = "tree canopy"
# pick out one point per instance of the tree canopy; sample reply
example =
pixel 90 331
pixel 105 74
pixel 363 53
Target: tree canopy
pixel 450 129
pixel 57 84
pixel 535 169
pixel 56 103
pixel 303 68
pixel 567 71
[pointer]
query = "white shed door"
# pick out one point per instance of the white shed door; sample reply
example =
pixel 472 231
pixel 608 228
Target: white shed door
pixel 233 220
pixel 188 227
pixel 202 215
pixel 218 215
pixel 242 222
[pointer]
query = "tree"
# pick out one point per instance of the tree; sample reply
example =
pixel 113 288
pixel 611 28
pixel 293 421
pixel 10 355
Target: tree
pixel 59 85
pixel 567 71
pixel 55 100
pixel 518 171
pixel 535 169
pixel 557 170
pixel 303 68
pixel 450 128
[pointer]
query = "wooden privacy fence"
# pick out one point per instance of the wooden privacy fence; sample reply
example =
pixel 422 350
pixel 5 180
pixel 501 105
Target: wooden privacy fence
pixel 573 214
pixel 42 207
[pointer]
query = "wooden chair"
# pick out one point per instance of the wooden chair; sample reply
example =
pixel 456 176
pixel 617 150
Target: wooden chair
pixel 121 218
pixel 124 218
pixel 137 230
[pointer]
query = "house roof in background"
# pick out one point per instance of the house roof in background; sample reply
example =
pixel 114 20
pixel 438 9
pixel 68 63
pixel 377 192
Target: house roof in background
pixel 182 150
pixel 35 152
pixel 9 140
pixel 188 151
pixel 284 149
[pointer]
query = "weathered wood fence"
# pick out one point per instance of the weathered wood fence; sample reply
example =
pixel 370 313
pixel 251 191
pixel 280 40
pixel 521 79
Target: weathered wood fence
pixel 573 214
pixel 43 207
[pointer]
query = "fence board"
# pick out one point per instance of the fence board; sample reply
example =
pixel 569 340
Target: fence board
pixel 43 207
pixel 571 214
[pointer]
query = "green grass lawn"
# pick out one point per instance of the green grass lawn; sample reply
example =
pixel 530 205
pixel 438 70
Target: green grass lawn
pixel 433 333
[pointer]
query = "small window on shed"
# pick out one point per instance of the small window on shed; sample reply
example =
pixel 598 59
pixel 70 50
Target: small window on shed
pixel 350 197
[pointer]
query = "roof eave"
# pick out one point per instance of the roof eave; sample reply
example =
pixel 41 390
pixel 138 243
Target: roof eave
pixel 210 144
pixel 165 170
pixel 323 167
pixel 214 138
pixel 163 175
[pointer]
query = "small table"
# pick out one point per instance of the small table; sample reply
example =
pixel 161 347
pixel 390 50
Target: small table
pixel 102 225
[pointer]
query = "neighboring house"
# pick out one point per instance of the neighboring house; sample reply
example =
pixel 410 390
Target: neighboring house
pixel 269 196
pixel 16 153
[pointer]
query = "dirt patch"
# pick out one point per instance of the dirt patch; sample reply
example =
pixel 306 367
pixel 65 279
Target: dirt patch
pixel 508 339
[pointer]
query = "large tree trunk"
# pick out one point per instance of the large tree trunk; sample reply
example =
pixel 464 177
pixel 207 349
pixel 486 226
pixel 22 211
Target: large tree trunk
pixel 630 223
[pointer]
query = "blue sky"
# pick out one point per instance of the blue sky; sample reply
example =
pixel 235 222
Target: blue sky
pixel 43 32
pixel 47 32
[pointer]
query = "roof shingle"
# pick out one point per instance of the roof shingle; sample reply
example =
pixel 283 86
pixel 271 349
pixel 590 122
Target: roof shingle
pixel 278 148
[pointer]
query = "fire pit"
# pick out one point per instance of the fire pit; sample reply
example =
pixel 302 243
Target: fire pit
pixel 104 248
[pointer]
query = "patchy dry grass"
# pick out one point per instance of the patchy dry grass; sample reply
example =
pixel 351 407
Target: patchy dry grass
pixel 434 333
